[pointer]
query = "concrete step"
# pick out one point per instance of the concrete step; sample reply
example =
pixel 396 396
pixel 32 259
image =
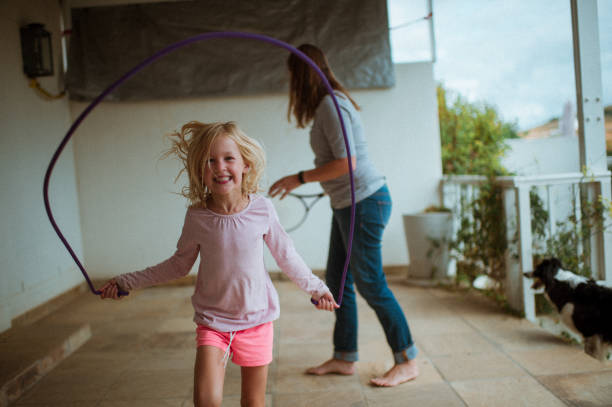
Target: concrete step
pixel 29 352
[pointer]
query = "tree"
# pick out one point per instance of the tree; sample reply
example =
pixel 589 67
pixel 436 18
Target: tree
pixel 473 139
pixel 473 136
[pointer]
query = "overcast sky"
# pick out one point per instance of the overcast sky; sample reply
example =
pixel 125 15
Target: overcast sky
pixel 516 55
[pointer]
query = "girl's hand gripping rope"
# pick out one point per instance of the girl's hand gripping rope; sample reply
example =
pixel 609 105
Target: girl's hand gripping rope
pixel 325 302
pixel 112 290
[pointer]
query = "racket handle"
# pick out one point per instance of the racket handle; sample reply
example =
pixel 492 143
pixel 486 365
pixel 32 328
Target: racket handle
pixel 315 302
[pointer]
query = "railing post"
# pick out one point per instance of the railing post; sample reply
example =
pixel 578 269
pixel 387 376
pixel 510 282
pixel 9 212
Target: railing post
pixel 587 69
pixel 606 238
pixel 513 267
pixel 525 252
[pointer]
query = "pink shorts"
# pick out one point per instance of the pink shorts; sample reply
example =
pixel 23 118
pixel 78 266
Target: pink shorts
pixel 249 347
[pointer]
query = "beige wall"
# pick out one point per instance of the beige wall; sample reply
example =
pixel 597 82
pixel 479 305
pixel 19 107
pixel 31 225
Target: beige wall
pixel 34 266
pixel 123 213
pixel 132 219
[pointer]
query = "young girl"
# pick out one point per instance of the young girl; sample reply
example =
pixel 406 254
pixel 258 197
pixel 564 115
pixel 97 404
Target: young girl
pixel 227 224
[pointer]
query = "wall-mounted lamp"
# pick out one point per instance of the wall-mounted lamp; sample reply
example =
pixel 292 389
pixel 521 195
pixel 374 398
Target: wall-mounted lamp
pixel 36 50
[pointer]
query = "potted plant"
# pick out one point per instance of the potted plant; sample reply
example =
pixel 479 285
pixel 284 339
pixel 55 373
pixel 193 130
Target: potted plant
pixel 428 235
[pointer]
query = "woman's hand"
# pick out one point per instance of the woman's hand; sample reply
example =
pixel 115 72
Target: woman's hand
pixel 284 185
pixel 326 302
pixel 110 290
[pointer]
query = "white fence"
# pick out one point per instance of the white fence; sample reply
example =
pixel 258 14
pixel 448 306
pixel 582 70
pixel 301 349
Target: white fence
pixel 560 194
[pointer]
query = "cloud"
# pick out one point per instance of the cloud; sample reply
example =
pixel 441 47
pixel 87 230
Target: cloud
pixel 516 55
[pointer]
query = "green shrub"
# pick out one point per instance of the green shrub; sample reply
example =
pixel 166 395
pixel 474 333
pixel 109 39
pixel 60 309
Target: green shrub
pixel 473 136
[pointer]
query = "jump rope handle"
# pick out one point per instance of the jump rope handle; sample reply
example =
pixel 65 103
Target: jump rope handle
pixel 120 292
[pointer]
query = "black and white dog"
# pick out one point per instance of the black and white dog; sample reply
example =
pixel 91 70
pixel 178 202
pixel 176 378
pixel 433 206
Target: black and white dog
pixel 584 305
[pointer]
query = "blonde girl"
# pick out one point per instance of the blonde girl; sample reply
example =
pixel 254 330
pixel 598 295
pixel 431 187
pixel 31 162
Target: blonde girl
pixel 227 224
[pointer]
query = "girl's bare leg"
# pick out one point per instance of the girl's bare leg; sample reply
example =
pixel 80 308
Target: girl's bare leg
pixel 209 376
pixel 254 380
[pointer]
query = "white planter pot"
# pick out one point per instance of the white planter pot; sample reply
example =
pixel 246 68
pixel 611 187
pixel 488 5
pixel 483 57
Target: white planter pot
pixel 420 230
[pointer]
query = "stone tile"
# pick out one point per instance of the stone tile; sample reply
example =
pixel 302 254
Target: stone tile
pixel 32 334
pixel 303 356
pixel 184 324
pixel 315 329
pixel 429 309
pixel 85 386
pixel 466 366
pixel 179 402
pixel 133 325
pixel 165 359
pixel 234 401
pixel 496 320
pixel 375 349
pixel 152 385
pixel 509 391
pixel 58 404
pixel 90 308
pixel 15 363
pixel 184 308
pixel 581 389
pixel 170 340
pixel 415 299
pixel 437 326
pixel 473 304
pixel 101 361
pixel 443 292
pixel 337 398
pixel 499 321
pixel 114 342
pixel 142 353
pixel 230 401
pixel 560 359
pixel 428 374
pixel 454 343
pixel 521 337
pixel 411 394
pixel 292 379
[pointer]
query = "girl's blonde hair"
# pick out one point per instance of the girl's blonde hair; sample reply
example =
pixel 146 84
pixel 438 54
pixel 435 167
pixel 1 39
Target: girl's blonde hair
pixel 192 146
pixel 306 88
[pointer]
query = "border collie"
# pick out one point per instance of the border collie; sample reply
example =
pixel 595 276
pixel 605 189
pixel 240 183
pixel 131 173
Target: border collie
pixel 584 305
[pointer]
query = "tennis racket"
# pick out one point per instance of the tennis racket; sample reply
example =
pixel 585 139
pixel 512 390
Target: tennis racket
pixel 293 212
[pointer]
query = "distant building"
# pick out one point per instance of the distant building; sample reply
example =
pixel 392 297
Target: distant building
pixel 555 128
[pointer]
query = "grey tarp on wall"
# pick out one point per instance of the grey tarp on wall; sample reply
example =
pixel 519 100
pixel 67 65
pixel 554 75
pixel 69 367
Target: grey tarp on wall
pixel 106 42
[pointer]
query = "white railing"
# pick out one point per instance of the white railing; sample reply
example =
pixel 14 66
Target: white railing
pixel 559 193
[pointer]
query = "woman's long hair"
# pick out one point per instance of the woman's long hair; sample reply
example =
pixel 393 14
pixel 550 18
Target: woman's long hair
pixel 306 89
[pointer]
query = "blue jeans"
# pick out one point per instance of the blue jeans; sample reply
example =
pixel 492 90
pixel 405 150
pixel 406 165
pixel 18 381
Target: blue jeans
pixel 366 273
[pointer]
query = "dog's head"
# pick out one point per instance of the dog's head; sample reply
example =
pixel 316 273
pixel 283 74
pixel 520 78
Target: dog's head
pixel 544 273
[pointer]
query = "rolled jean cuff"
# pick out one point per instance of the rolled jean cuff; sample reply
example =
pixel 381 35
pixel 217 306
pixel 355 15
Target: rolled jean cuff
pixel 346 356
pixel 406 354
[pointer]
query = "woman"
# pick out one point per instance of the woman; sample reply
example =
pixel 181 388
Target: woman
pixel 309 101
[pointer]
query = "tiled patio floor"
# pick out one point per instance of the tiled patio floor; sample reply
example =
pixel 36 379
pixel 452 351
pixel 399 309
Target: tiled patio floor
pixel 141 353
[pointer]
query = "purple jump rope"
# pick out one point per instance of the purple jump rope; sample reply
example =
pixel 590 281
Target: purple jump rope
pixel 148 61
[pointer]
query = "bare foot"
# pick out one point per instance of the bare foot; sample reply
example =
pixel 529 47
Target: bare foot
pixel 398 374
pixel 333 366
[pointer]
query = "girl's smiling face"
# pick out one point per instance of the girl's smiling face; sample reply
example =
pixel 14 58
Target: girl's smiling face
pixel 225 168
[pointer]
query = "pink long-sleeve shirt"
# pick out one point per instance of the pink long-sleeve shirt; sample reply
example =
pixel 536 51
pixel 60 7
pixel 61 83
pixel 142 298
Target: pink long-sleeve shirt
pixel 233 289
